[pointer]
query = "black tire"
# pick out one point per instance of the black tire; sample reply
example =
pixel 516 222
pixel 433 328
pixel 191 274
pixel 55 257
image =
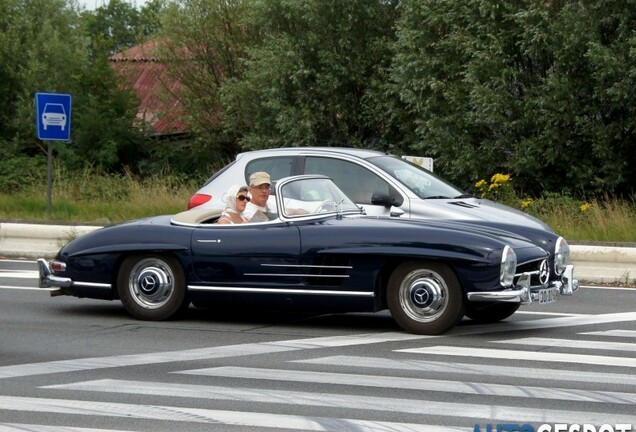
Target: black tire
pixel 425 298
pixel 152 287
pixel 490 312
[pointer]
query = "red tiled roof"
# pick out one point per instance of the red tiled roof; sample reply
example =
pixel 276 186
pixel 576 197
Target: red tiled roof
pixel 159 105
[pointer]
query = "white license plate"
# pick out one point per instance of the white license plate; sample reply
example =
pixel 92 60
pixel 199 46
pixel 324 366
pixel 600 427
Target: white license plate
pixel 548 295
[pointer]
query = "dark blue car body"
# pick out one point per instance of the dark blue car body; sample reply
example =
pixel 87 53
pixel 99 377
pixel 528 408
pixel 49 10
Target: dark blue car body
pixel 428 273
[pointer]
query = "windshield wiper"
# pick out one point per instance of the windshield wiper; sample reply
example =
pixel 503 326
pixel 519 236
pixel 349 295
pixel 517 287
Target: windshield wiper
pixel 465 196
pixel 438 197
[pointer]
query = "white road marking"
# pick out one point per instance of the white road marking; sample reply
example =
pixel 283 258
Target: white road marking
pixel 525 312
pixel 20 274
pixel 429 385
pixel 91 363
pixel 361 402
pixel 523 355
pixel 614 333
pixel 27 288
pixel 571 343
pixel 569 321
pixel 4 260
pixel 473 369
pixel 209 416
pixel 597 287
pixel 17 427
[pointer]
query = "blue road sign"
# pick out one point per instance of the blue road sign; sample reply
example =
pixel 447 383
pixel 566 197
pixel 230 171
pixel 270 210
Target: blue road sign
pixel 53 116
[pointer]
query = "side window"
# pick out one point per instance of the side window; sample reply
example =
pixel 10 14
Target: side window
pixel 356 182
pixel 276 167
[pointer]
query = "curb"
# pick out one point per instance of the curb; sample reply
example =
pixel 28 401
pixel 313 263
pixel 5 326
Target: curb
pixel 595 264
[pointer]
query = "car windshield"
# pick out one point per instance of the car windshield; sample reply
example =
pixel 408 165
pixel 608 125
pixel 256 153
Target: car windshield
pixel 421 182
pixel 309 196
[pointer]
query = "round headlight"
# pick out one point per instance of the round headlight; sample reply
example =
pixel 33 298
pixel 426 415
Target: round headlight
pixel 561 255
pixel 508 267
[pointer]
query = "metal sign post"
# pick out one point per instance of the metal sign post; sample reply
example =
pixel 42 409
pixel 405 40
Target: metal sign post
pixel 53 123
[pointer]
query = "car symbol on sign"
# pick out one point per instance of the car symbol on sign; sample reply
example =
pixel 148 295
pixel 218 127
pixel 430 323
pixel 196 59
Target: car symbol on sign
pixel 54 115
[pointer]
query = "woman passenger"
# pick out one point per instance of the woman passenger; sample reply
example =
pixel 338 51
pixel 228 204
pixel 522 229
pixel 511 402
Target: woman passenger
pixel 235 200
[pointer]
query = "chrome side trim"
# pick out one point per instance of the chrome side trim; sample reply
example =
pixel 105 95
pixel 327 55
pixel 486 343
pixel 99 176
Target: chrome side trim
pixel 282 291
pixel 306 266
pixel 92 284
pixel 296 275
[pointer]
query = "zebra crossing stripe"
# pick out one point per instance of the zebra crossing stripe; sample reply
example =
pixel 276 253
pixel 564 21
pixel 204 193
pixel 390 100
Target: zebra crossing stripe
pixel 431 385
pixel 209 416
pixel 473 369
pixel 566 321
pixel 18 427
pixel 615 333
pixel 523 355
pixel 92 363
pixel 571 343
pixel 19 274
pixel 331 400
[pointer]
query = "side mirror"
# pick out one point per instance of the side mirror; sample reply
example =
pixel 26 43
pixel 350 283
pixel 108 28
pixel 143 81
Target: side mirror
pixel 386 200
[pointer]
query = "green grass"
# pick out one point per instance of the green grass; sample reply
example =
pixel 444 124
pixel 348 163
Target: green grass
pixel 93 198
pixel 609 220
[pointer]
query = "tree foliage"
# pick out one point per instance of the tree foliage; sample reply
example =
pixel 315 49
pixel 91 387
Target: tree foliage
pixel 536 89
pixel 539 90
pixel 313 78
pixel 44 48
pixel 203 42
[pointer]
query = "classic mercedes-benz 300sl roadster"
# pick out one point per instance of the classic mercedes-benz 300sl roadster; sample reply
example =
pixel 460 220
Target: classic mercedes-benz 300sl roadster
pixel 318 252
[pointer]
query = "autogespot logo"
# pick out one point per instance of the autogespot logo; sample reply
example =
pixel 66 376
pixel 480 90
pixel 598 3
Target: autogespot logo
pixel 556 427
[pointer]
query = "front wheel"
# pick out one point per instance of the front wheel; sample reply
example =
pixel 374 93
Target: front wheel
pixel 425 298
pixel 152 287
pixel 490 312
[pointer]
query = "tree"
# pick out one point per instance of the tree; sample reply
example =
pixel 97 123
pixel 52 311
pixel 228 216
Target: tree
pixel 202 42
pixel 43 49
pixel 314 77
pixel 530 88
pixel 40 50
pixel 112 28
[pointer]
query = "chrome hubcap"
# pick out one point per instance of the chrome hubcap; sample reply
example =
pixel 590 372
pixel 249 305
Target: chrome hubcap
pixel 423 295
pixel 151 283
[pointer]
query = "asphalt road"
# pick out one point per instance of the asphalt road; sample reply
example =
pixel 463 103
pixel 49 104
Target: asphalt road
pixel 85 365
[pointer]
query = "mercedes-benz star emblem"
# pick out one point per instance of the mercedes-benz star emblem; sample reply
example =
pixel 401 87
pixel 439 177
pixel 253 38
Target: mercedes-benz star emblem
pixel 544 273
pixel 148 283
pixel 420 296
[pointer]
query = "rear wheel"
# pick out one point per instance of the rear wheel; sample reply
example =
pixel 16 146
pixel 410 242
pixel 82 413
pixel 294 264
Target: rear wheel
pixel 152 287
pixel 490 312
pixel 425 298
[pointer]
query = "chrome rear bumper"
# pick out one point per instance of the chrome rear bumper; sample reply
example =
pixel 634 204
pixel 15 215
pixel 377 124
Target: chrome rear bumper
pixel 522 292
pixel 47 279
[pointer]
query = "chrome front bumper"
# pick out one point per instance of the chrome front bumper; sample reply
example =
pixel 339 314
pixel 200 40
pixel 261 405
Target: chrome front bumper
pixel 522 292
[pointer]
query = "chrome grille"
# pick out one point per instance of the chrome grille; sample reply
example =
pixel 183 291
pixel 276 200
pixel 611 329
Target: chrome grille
pixel 539 271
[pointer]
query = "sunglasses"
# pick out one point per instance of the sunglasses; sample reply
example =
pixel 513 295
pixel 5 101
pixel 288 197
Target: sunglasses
pixel 243 198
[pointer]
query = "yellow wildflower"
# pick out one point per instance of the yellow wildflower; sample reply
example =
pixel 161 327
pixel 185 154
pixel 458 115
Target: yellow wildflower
pixel 585 207
pixel 500 178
